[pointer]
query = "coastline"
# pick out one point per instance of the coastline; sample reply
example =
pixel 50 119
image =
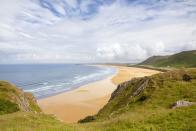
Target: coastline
pixel 87 100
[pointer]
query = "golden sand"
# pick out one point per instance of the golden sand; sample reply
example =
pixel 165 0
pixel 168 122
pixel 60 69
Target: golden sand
pixel 88 99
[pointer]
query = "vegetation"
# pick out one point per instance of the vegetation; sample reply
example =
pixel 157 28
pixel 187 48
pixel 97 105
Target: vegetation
pixel 20 112
pixel 145 104
pixel 182 59
pixel 7 107
pixel 30 121
pixel 13 99
pixel 140 104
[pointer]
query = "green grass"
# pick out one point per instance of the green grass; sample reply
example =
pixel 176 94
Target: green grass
pixel 19 112
pixel 7 107
pixel 23 121
pixel 13 99
pixel 151 109
pixel 181 119
pixel 184 59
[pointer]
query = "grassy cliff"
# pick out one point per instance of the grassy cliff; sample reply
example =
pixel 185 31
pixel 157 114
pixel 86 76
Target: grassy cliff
pixel 182 59
pixel 20 112
pixel 146 104
pixel 139 104
pixel 13 99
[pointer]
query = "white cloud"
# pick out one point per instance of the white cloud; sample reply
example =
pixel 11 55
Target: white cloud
pixel 110 52
pixel 117 32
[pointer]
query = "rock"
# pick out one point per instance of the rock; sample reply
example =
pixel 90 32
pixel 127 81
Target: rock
pixel 182 103
pixel 141 86
pixel 138 88
pixel 87 119
pixel 186 77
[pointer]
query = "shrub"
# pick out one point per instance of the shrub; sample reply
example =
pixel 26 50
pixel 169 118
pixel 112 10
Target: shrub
pixel 7 107
pixel 186 77
pixel 87 119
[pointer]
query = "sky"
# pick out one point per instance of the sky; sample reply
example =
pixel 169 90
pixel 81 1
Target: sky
pixel 83 31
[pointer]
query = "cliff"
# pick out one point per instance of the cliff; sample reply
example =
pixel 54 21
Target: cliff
pixel 151 103
pixel 13 99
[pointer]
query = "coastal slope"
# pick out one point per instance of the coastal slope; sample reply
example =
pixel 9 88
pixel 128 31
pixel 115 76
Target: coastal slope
pixel 13 99
pixel 20 111
pixel 164 101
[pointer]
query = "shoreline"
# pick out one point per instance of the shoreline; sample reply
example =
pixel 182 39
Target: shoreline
pixel 74 87
pixel 88 99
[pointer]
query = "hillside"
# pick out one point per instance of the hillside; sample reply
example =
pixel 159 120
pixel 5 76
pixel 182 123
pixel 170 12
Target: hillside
pixel 182 59
pixel 13 99
pixel 20 112
pixel 147 103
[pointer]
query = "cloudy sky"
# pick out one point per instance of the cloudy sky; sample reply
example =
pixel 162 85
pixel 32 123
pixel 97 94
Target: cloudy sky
pixel 72 31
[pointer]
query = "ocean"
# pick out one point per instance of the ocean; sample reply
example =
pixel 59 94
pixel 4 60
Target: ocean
pixel 44 80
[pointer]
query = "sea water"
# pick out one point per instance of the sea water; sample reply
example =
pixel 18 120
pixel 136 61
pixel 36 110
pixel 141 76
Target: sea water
pixel 44 80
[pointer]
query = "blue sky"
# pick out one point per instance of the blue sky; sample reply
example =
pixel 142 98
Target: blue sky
pixel 74 31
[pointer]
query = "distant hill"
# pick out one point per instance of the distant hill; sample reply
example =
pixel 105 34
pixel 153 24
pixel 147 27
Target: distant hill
pixel 182 59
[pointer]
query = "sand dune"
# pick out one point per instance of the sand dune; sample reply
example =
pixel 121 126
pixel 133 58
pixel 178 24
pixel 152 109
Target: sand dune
pixel 88 99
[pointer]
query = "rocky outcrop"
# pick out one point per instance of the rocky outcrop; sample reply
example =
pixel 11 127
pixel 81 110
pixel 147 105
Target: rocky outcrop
pixel 25 101
pixel 120 88
pixel 182 103
pixel 141 86
pixel 137 90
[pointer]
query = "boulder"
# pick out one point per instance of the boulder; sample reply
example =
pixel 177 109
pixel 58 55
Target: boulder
pixel 182 103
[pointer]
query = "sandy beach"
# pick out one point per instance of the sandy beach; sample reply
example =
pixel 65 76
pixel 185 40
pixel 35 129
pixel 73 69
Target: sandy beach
pixel 88 99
